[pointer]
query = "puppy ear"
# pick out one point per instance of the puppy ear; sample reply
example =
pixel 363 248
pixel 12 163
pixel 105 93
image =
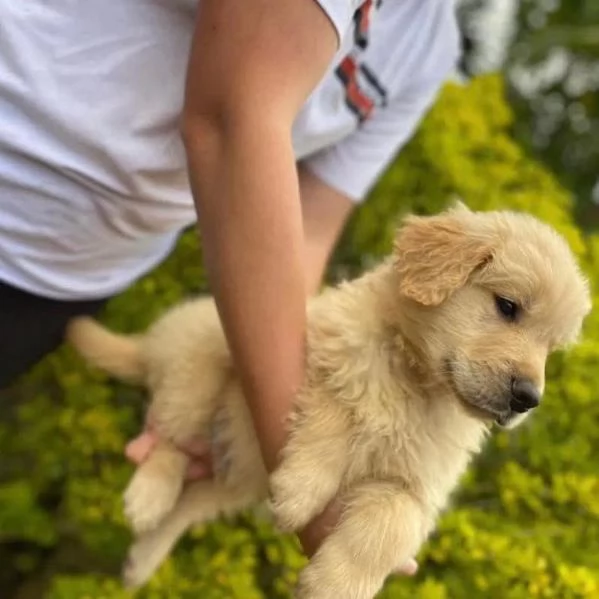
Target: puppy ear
pixel 435 255
pixel 458 206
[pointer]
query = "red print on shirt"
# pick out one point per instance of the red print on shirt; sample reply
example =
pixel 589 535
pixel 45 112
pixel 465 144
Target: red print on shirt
pixel 358 102
pixel 363 91
pixel 362 23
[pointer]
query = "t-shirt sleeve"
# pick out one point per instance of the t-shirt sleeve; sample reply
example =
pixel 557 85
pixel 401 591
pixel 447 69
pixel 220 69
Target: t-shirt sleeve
pixel 340 12
pixel 354 164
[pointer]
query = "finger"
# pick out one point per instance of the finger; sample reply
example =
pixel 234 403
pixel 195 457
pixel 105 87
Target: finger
pixel 139 448
pixel 198 470
pixel 410 568
pixel 196 448
pixel 319 528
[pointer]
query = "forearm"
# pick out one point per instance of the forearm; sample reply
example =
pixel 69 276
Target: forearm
pixel 252 65
pixel 246 190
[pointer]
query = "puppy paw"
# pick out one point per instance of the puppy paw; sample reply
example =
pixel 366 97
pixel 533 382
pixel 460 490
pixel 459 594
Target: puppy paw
pixel 337 571
pixel 148 499
pixel 311 589
pixel 304 591
pixel 315 584
pixel 144 558
pixel 291 508
pixel 299 492
pixel 286 515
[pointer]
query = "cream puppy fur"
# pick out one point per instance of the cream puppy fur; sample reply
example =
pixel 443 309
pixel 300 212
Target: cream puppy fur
pixel 407 366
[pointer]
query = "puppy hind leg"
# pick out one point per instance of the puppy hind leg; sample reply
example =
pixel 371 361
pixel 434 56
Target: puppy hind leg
pixel 179 412
pixel 185 401
pixel 201 502
pixel 155 487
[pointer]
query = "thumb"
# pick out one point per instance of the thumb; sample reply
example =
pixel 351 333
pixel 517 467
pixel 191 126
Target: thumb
pixel 139 448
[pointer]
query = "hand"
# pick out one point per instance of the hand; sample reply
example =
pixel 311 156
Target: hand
pixel 200 466
pixel 198 451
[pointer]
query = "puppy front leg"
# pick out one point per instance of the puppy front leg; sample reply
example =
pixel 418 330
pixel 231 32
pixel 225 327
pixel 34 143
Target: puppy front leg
pixel 314 462
pixel 382 527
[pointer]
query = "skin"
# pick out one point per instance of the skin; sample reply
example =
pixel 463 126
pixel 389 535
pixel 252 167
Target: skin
pixel 251 69
pixel 244 62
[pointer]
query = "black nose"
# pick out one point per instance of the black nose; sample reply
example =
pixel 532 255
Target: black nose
pixel 525 395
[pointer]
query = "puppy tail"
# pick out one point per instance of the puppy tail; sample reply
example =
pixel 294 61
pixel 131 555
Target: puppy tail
pixel 118 355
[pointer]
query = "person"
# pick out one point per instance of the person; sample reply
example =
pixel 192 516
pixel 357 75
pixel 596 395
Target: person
pixel 123 123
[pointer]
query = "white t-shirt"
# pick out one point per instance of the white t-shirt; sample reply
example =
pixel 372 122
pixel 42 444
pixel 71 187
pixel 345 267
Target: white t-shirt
pixel 93 184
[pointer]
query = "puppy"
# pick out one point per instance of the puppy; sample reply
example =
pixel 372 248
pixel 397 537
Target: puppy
pixel 407 369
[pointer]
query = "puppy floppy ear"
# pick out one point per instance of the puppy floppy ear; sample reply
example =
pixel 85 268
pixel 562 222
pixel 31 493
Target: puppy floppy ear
pixel 458 206
pixel 435 255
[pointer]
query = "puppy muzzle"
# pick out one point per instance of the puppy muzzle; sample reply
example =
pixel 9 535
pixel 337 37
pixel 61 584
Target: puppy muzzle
pixel 525 395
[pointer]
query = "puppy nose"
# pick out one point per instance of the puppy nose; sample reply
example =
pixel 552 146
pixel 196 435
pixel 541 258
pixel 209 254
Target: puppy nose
pixel 525 395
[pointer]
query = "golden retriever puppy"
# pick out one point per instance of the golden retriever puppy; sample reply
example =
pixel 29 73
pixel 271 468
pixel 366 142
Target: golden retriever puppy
pixel 407 366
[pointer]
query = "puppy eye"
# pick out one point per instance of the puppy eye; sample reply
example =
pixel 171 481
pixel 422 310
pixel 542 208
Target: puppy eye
pixel 507 308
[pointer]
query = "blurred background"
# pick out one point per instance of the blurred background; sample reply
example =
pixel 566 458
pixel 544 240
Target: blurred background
pixel 548 51
pixel 518 128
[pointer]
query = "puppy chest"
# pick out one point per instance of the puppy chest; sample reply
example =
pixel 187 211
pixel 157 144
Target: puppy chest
pixel 424 464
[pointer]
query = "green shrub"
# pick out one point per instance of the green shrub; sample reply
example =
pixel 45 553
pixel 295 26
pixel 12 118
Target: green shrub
pixel 525 521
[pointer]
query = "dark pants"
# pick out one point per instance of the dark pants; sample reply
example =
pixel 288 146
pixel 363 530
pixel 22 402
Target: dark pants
pixel 32 327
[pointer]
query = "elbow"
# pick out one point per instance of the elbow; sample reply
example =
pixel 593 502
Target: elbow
pixel 206 124
pixel 205 136
pixel 208 132
pixel 200 130
pixel 215 134
pixel 209 117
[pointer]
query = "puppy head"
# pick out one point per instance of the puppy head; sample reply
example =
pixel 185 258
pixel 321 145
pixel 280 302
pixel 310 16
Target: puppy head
pixel 486 297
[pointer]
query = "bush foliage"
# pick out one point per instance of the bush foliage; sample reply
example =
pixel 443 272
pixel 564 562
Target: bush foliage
pixel 525 522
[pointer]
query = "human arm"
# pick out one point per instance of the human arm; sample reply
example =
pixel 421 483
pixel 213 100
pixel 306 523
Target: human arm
pixel 324 213
pixel 252 65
